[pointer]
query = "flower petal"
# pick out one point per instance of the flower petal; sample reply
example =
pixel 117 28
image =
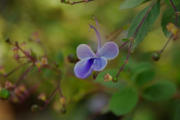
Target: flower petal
pixel 83 68
pixel 99 64
pixel 109 50
pixel 84 51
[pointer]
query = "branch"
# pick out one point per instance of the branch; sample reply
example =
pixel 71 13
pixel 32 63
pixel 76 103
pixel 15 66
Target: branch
pixel 75 2
pixel 132 40
pixel 24 74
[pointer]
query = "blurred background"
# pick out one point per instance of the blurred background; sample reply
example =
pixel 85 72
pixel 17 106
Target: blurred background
pixel 60 28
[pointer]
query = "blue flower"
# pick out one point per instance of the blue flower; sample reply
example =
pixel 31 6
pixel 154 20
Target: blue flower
pixel 90 61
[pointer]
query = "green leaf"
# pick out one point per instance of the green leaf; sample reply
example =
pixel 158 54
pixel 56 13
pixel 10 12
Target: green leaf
pixel 163 90
pixel 131 3
pixel 144 73
pixel 110 84
pixel 4 93
pixel 147 24
pixel 176 3
pixel 123 101
pixel 176 110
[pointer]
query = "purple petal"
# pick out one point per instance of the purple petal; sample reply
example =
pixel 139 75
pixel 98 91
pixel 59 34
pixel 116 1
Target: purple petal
pixel 83 68
pixel 99 64
pixel 84 51
pixel 110 50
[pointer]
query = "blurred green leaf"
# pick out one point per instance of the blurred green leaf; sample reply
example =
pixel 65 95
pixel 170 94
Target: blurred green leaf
pixel 176 111
pixel 111 84
pixel 123 101
pixel 131 3
pixel 159 91
pixel 144 73
pixel 176 3
pixel 4 93
pixel 151 18
pixel 144 114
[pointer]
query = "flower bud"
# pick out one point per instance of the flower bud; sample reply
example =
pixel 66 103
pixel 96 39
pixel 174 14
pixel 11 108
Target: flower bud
pixel 72 58
pixel 44 61
pixel 63 100
pixel 107 77
pixel 38 64
pixel 42 97
pixel 156 56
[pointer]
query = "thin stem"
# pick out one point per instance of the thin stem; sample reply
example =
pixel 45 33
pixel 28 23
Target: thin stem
pixel 14 70
pixel 124 44
pixel 59 81
pixel 142 21
pixel 57 89
pixel 52 95
pixel 24 74
pixel 132 40
pixel 97 34
pixel 126 60
pixel 77 2
pixel 25 53
pixel 175 10
pixel 166 44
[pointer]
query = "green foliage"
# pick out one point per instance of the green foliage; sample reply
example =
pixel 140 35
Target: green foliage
pixel 123 101
pixel 159 91
pixel 147 24
pixel 143 74
pixel 176 111
pixel 4 93
pixel 144 114
pixel 176 3
pixel 131 3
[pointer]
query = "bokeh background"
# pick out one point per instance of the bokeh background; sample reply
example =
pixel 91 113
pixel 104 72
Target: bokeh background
pixel 61 28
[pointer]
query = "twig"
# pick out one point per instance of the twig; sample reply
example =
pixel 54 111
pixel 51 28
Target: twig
pixel 167 42
pixel 132 40
pixel 25 53
pixel 76 2
pixel 57 89
pixel 14 70
pixel 124 44
pixel 24 74
pixel 126 60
